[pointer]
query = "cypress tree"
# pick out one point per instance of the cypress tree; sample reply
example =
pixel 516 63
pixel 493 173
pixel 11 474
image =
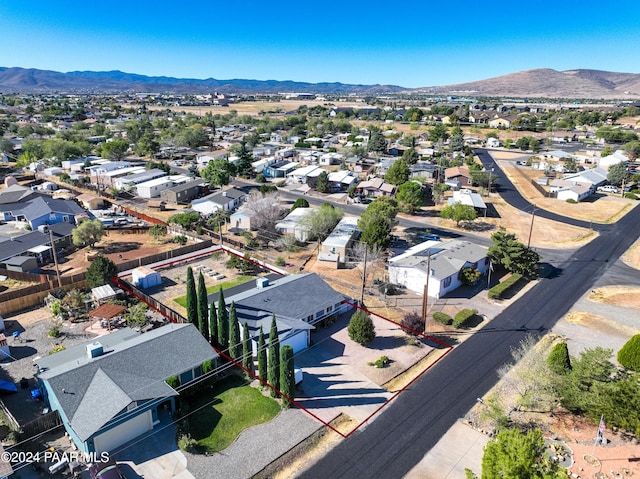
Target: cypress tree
pixel 247 350
pixel 223 322
pixel 203 306
pixel 274 358
pixel 262 356
pixel 235 346
pixel 287 380
pixel 213 325
pixel 192 299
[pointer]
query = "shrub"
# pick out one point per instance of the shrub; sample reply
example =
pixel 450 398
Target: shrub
pixel 207 366
pixel 631 196
pixel 442 318
pixel 571 200
pixel 173 382
pixel 500 289
pixel 381 362
pixel 413 321
pixel 558 360
pixel 187 443
pixel 469 276
pixel 180 239
pixel 361 328
pixel 280 261
pixel 260 178
pixel 629 354
pixel 463 317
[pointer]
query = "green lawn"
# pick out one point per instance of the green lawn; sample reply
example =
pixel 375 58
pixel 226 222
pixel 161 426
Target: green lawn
pixel 237 406
pixel 182 300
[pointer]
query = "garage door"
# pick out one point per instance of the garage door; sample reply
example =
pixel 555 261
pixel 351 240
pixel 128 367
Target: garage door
pixel 298 342
pixel 111 439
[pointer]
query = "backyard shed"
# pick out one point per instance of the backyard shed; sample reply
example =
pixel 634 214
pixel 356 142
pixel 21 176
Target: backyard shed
pixel 144 277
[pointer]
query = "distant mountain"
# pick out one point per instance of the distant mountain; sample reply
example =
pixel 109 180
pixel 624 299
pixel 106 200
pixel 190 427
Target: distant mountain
pixel 43 81
pixel 545 82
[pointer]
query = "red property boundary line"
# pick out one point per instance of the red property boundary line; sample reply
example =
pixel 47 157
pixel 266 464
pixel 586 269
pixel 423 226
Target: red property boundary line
pixel 448 347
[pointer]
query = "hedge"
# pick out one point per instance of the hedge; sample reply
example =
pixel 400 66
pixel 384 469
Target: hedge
pixel 442 318
pixel 463 316
pixel 629 355
pixel 498 290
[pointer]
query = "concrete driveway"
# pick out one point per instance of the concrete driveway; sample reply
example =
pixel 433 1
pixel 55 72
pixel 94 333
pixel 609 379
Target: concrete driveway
pixel 338 376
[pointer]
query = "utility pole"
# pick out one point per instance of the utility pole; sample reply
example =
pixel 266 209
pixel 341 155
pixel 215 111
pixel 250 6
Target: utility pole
pixel 533 215
pixel 55 258
pixel 425 292
pixel 364 273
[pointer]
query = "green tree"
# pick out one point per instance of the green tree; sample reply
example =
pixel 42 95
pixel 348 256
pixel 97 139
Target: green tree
pixel 377 142
pixel 361 328
pixel 438 132
pixel 629 354
pixel 618 173
pixel 262 356
pixel 186 220
pixel 633 149
pixel 377 222
pixel 218 172
pixel 100 271
pixel 244 165
pixel 235 346
pixel 398 173
pixel 287 379
pixel 247 350
pixel 114 150
pixel 88 233
pixel 6 146
pixel 515 455
pixel 136 314
pixel 410 156
pixel 322 184
pixel 410 196
pixel 147 145
pixel 458 212
pixel 213 325
pixel 223 322
pixel 192 299
pixel 300 203
pixel 321 221
pixel 511 254
pixel 274 358
pixel 203 308
pixel 558 360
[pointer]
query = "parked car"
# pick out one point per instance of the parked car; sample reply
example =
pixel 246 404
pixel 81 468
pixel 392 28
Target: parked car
pixel 429 237
pixel 106 470
pixel 608 188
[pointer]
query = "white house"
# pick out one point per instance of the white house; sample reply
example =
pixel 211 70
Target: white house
pixel 227 200
pixel 445 260
pixel 293 224
pixel 153 188
pixel 574 192
pixel 612 159
pixel 335 246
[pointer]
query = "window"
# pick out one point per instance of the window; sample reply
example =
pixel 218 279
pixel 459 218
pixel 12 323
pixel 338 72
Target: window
pixel 329 309
pixel 309 318
pixel 446 282
pixel 319 314
pixel 65 219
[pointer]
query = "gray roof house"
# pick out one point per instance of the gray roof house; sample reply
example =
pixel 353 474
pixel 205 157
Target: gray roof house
pixel 36 243
pixel 227 200
pixel 444 260
pixel 112 389
pixel 183 193
pixel 41 210
pixel 298 302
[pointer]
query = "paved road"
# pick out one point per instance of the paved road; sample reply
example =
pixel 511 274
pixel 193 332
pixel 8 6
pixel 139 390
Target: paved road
pixel 411 425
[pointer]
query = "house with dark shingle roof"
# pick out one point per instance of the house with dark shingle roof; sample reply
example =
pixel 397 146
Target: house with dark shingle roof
pixel 298 301
pixel 36 243
pixel 41 210
pixel 112 389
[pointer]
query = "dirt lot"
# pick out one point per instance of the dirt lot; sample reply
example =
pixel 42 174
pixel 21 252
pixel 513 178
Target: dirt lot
pixel 632 256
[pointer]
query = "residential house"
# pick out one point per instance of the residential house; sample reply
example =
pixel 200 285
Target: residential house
pixel 341 180
pixel 41 210
pixel 492 143
pixel 459 175
pixel 299 175
pixel 501 121
pixel 111 390
pixel 328 159
pixel 153 188
pixel 445 261
pixel 36 243
pixel 227 200
pixel 183 193
pixel 293 224
pixel 130 181
pixel 108 178
pixel 280 169
pixel 613 159
pixel 593 177
pixel 468 198
pixel 98 170
pixel 337 244
pixel 89 201
pixel 246 219
pixel 260 165
pixel 298 301
pixel 375 187
pixel 570 190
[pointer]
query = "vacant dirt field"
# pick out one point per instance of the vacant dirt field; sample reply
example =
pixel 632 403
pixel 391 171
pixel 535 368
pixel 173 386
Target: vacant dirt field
pixel 632 256
pixel 628 296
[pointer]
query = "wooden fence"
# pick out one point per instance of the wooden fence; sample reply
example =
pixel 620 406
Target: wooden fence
pixel 46 422
pixel 542 191
pixel 22 299
pixel 164 256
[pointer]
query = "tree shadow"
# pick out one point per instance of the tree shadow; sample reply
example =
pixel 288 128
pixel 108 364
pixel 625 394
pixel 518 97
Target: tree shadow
pixel 477 226
pixel 119 247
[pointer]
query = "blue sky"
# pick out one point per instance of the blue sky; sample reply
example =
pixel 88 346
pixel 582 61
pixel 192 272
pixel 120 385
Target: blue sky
pixel 410 43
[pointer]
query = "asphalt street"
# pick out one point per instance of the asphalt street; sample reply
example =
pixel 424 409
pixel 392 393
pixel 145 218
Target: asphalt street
pixel 413 423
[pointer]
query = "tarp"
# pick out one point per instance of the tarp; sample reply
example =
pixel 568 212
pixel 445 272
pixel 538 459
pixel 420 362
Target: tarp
pixel 7 386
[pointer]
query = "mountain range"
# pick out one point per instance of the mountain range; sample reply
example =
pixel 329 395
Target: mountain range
pixel 543 82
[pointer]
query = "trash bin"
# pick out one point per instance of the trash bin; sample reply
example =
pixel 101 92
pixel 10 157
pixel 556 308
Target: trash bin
pixel 36 394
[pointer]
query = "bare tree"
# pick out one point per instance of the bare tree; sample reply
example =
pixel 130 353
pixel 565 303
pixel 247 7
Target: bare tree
pixel 365 257
pixel 264 208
